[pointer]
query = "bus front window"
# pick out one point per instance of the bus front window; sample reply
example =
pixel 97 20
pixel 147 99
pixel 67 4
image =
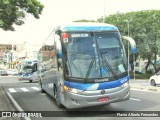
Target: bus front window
pixel 94 55
pixel 80 54
pixel 111 52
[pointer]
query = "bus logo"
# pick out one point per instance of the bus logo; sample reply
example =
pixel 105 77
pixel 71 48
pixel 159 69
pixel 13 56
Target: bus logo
pixel 102 91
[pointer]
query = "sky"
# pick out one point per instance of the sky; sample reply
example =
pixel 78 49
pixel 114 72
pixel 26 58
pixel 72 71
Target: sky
pixel 56 12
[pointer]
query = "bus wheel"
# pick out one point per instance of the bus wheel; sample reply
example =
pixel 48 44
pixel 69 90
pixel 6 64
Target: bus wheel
pixel 56 97
pixel 30 81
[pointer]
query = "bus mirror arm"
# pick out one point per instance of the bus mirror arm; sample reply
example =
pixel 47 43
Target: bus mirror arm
pixel 58 32
pixel 60 64
pixel 132 44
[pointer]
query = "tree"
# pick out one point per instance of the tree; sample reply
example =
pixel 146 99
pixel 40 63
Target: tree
pixel 84 20
pixel 144 28
pixel 14 11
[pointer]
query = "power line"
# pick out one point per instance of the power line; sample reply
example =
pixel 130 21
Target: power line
pixel 48 36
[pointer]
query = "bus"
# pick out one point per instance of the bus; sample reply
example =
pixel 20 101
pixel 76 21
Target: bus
pixel 85 65
pixel 27 70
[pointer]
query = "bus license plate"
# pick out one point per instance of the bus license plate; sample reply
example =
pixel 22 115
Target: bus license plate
pixel 103 99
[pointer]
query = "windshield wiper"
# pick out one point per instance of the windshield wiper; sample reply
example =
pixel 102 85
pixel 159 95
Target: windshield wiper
pixel 89 69
pixel 107 63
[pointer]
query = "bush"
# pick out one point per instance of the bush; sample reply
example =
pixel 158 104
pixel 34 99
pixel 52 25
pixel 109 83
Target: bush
pixel 141 76
pixel 149 72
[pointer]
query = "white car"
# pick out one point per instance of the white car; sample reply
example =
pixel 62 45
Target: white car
pixel 12 72
pixel 155 79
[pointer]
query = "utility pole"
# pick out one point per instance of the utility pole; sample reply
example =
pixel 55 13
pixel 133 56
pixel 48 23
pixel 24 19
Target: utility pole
pixel 128 22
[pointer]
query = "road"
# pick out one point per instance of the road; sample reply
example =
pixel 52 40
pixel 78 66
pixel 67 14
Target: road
pixel 28 97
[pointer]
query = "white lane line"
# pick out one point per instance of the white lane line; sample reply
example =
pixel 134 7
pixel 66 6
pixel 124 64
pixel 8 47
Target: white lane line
pixel 24 89
pixel 35 88
pixel 135 99
pixel 16 105
pixel 12 90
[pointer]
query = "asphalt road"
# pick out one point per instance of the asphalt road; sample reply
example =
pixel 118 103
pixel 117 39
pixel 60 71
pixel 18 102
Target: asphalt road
pixel 28 97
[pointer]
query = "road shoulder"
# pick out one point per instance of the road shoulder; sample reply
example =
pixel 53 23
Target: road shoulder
pixel 6 105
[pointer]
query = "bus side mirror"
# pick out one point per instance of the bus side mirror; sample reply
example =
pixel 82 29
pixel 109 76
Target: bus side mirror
pixel 132 44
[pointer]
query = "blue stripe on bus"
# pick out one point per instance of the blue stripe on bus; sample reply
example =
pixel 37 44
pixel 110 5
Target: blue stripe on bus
pixel 88 28
pixel 96 86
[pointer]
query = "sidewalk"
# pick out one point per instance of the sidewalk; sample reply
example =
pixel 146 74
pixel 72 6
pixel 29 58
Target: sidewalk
pixel 146 88
pixel 5 105
pixel 143 85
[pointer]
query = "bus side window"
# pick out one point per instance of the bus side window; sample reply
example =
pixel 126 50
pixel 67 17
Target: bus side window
pixel 58 48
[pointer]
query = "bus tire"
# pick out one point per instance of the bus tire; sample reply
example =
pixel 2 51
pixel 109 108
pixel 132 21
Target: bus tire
pixel 42 90
pixel 56 97
pixel 30 81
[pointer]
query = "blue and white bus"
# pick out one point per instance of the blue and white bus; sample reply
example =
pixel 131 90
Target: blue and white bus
pixel 27 70
pixel 85 65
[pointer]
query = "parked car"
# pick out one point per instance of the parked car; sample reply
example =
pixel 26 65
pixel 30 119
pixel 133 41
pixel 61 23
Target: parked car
pixel 155 79
pixel 3 72
pixel 12 72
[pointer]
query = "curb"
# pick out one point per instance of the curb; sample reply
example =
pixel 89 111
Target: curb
pixel 145 88
pixel 10 76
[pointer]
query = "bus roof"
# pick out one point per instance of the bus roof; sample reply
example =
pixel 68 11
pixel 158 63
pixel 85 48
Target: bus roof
pixel 30 60
pixel 87 26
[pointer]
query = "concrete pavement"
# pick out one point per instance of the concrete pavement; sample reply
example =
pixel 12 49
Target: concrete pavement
pixel 6 104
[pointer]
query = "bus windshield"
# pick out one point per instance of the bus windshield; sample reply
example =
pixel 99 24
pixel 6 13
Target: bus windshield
pixel 94 55
pixel 27 67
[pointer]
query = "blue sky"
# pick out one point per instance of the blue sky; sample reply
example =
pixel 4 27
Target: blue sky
pixel 60 11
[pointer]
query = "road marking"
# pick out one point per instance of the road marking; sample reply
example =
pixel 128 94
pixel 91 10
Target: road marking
pixel 135 99
pixel 12 90
pixel 29 89
pixel 35 88
pixel 16 105
pixel 24 89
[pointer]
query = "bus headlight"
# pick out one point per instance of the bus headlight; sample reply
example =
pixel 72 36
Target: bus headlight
pixel 125 84
pixel 73 90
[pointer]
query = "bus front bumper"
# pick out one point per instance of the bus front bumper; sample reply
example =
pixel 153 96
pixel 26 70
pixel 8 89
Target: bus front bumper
pixel 93 98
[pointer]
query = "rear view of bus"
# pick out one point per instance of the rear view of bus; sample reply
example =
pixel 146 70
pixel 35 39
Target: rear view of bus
pixel 90 66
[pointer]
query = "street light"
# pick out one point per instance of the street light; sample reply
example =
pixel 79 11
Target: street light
pixel 104 9
pixel 128 22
